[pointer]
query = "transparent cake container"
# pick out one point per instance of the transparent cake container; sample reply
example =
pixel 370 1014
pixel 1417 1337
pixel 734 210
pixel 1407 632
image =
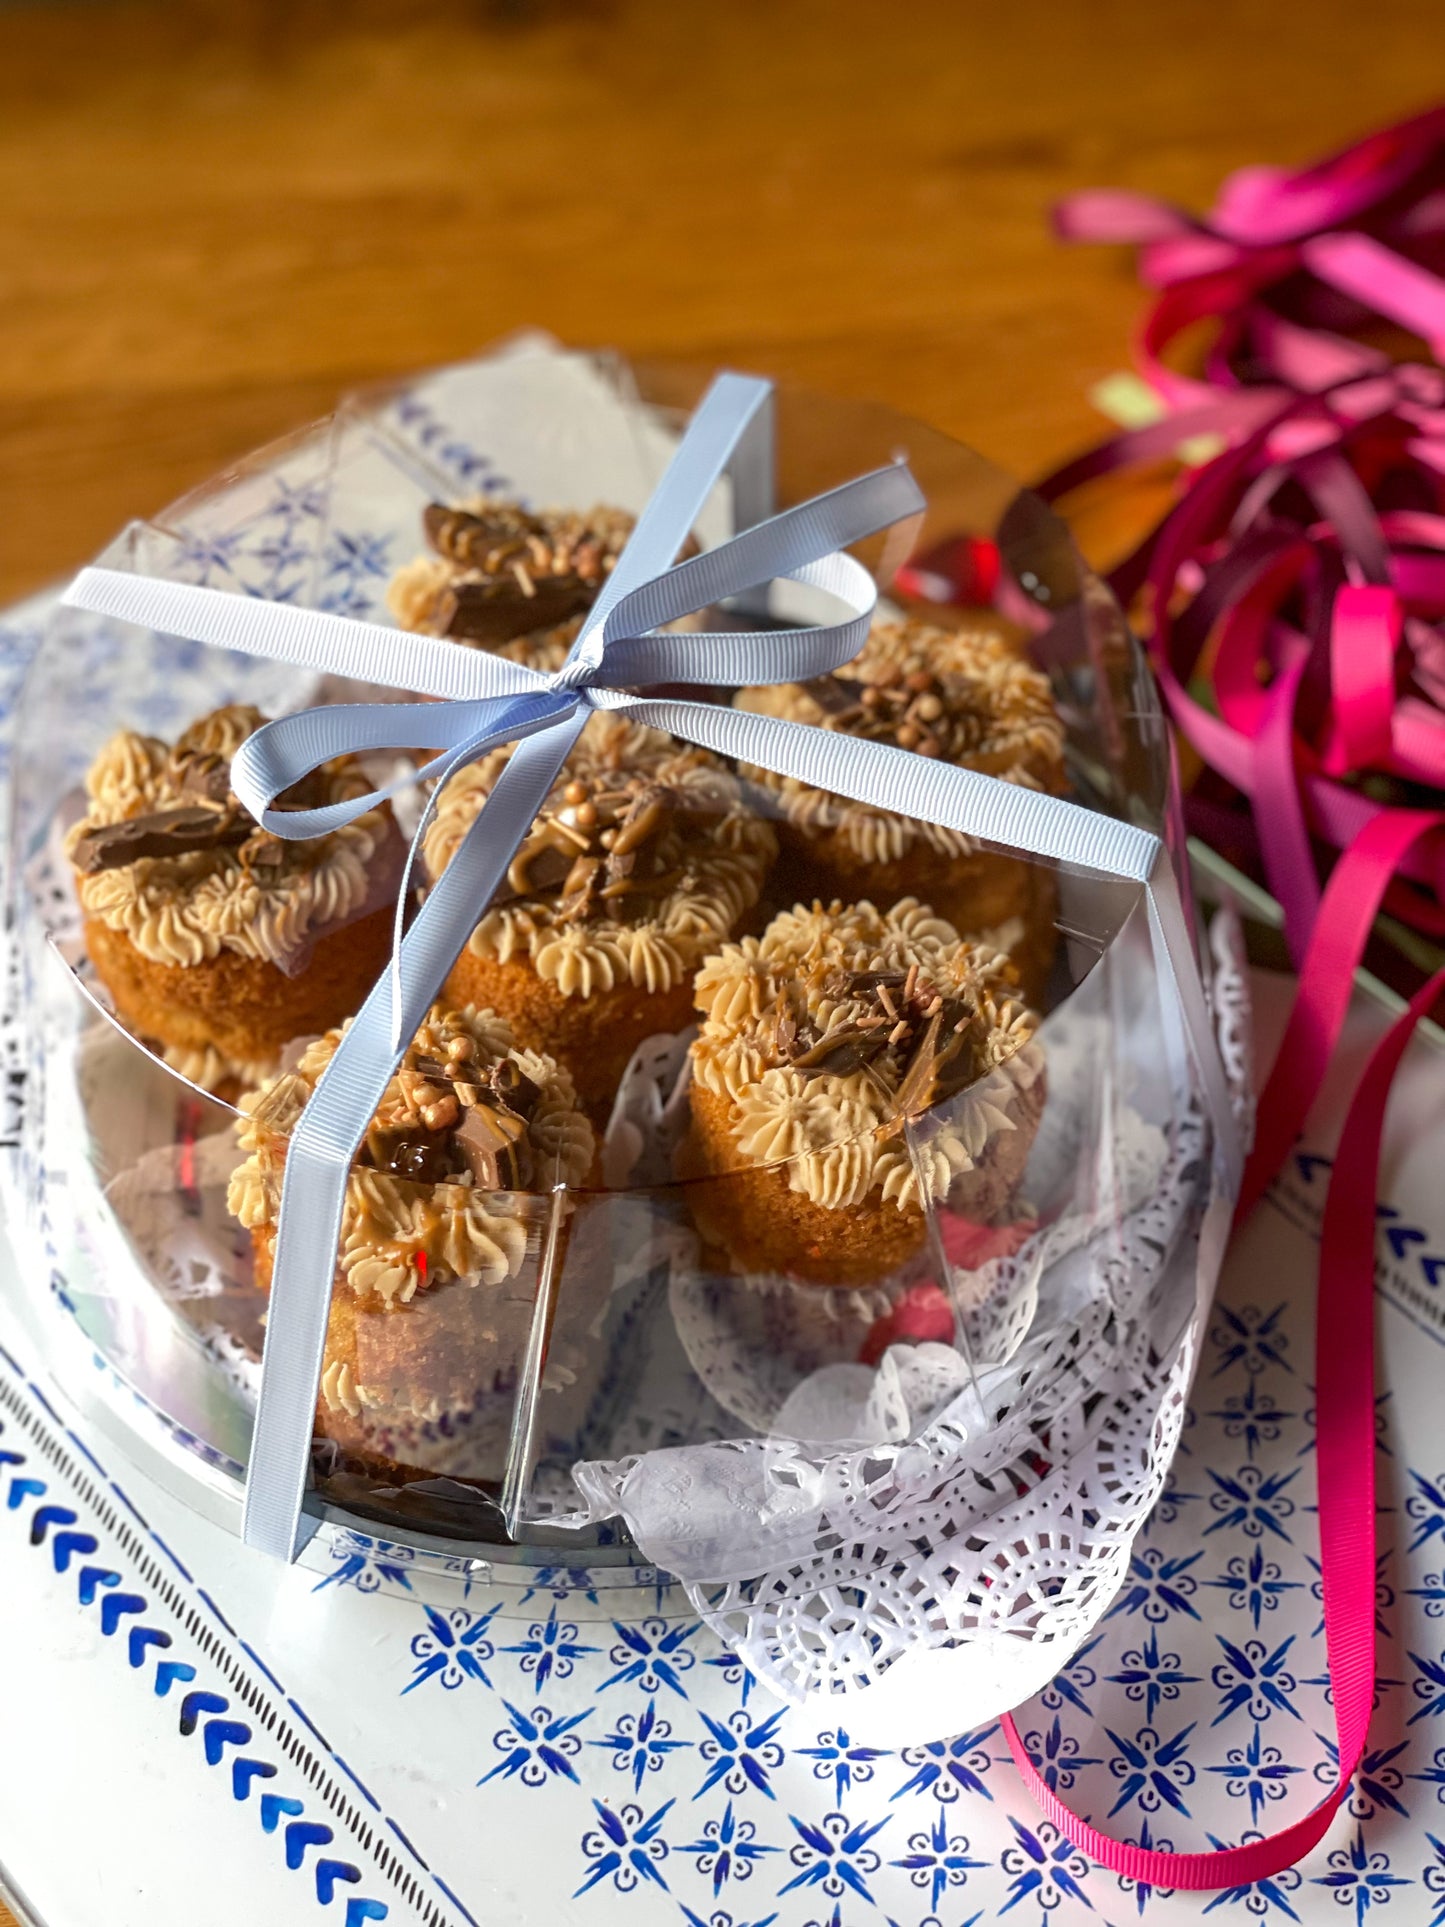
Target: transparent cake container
pixel 944 1454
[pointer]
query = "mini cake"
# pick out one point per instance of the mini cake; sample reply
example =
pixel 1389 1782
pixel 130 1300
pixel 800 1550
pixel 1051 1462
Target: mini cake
pixel 967 697
pixel 499 575
pixel 215 939
pixel 642 861
pixel 435 1279
pixel 820 1040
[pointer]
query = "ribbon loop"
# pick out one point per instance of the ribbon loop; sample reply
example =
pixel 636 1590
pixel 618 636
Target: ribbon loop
pixel 279 754
pixel 781 546
pixel 734 657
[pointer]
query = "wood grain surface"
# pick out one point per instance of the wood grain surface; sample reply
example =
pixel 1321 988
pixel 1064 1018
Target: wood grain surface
pixel 215 216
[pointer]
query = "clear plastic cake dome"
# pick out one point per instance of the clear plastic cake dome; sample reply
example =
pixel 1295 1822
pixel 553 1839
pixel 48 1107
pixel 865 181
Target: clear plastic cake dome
pixel 842 1256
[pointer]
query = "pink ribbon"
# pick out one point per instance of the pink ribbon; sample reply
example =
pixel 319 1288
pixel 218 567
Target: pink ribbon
pixel 1293 598
pixel 1345 1407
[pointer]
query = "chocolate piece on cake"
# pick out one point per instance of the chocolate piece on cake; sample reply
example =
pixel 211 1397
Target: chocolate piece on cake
pixel 853 1067
pixel 641 861
pixel 215 939
pixel 498 573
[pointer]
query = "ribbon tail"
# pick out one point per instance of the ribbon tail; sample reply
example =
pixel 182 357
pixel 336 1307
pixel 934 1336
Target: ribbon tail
pixel 310 638
pixel 1345 1363
pixel 319 1157
pixel 1019 820
pixel 509 812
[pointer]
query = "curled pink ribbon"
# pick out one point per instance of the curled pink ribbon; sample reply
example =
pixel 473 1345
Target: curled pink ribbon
pixel 1293 598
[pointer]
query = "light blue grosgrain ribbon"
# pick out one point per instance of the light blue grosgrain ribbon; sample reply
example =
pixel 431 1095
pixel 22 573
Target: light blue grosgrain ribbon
pixel 489 702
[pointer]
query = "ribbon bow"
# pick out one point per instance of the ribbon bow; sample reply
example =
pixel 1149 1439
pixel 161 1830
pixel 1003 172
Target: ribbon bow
pixel 489 702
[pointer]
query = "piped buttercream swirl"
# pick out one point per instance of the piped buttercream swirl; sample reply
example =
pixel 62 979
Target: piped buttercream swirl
pixel 697 858
pixel 185 909
pixel 401 1235
pixel 964 695
pixel 839 1026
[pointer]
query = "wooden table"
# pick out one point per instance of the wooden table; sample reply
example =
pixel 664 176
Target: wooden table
pixel 214 216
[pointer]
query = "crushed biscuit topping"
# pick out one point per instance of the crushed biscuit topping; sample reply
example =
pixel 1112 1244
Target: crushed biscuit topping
pixel 642 858
pixel 839 1025
pixel 467 1115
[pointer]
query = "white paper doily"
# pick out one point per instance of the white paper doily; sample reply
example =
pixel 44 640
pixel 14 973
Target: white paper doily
pixel 920 1547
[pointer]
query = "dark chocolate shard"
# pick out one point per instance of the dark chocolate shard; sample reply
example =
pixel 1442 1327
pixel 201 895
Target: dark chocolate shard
pixel 938 1066
pixel 843 1050
pixel 537 868
pixel 620 865
pixel 263 851
pixel 915 1093
pixel 859 981
pixel 494 1145
pixel 480 539
pixel 579 890
pixel 836 696
pixel 514 1090
pixel 163 833
pixel 498 609
pixel 422 1156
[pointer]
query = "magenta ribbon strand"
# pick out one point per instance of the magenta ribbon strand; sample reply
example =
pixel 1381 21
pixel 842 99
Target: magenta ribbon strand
pixel 1294 597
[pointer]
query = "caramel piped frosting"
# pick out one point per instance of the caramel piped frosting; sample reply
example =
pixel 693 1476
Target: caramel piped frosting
pixel 211 1068
pixel 641 861
pixel 962 695
pixel 498 573
pixel 837 1025
pixel 254 894
pixel 466 1116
